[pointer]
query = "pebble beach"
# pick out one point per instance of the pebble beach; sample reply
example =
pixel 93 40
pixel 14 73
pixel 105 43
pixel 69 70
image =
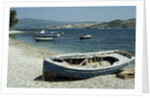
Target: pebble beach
pixel 25 64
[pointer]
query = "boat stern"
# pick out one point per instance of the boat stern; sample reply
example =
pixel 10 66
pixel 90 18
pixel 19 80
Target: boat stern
pixel 50 69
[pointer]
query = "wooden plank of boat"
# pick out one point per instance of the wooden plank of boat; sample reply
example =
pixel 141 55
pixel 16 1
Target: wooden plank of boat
pixel 87 65
pixel 125 76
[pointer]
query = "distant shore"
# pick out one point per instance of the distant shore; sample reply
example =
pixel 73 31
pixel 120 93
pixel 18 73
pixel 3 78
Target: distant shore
pixel 25 64
pixel 15 31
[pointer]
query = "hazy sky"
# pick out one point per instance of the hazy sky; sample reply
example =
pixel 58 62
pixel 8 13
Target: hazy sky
pixel 69 14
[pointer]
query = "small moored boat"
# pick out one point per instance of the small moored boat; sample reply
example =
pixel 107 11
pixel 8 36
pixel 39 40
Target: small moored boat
pixel 85 37
pixel 48 34
pixel 42 36
pixel 86 65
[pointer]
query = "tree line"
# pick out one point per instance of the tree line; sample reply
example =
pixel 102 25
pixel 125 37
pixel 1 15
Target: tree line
pixel 13 20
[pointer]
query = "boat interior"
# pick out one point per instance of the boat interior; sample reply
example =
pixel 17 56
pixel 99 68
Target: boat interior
pixel 126 54
pixel 97 60
pixel 88 62
pixel 91 62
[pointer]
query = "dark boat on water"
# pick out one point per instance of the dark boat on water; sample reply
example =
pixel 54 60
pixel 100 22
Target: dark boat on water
pixel 85 37
pixel 86 65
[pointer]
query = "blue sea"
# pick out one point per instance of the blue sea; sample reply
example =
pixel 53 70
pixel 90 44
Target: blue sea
pixel 69 42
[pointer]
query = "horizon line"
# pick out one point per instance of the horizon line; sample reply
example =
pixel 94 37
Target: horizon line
pixel 75 21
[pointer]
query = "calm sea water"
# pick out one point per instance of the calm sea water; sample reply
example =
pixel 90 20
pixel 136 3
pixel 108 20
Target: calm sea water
pixel 69 42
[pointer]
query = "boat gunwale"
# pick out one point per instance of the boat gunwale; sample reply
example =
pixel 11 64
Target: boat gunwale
pixel 89 69
pixel 81 68
pixel 44 38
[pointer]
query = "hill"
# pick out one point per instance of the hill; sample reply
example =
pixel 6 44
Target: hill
pixel 130 23
pixel 27 23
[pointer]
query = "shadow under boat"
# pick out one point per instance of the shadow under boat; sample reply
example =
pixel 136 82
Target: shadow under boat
pixel 61 78
pixel 57 79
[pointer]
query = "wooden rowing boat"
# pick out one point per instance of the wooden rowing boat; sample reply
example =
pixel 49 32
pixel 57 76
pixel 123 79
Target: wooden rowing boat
pixel 86 65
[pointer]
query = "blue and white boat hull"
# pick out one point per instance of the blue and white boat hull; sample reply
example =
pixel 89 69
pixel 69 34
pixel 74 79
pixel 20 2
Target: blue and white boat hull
pixel 64 69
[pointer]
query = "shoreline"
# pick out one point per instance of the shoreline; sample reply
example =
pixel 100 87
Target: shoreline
pixel 28 49
pixel 25 64
pixel 15 31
